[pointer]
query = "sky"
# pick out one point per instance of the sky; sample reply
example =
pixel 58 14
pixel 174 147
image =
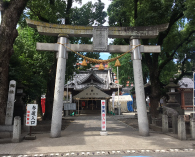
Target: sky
pixel 103 56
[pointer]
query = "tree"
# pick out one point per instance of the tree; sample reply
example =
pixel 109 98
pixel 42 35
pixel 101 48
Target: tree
pixel 46 72
pixel 172 40
pixel 11 11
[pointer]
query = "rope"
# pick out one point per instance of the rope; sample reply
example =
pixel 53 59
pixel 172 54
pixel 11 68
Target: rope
pixel 96 60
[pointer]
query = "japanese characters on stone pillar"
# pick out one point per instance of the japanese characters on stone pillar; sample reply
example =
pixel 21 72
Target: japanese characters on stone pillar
pixel 10 103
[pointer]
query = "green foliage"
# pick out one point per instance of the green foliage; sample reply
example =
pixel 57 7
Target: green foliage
pixel 28 66
pixel 33 68
pixel 89 14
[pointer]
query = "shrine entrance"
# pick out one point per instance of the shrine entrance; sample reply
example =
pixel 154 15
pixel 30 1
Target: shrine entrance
pixel 89 100
pixel 100 36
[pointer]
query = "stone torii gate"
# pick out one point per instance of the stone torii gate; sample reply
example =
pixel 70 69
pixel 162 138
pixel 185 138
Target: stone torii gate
pixel 100 36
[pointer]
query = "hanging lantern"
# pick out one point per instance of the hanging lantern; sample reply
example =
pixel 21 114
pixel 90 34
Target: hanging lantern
pixel 117 63
pixel 84 63
pixel 101 67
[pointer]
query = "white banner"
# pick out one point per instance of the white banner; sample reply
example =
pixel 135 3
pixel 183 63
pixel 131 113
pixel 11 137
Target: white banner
pixel 103 115
pixel 194 88
pixel 31 114
pixel 113 96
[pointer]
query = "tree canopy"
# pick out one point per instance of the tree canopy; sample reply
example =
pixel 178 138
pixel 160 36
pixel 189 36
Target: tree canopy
pixel 177 51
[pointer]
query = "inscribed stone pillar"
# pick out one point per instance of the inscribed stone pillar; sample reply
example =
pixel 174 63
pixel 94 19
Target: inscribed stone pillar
pixel 59 89
pixel 181 128
pixel 165 127
pixel 16 130
pixel 192 128
pixel 10 103
pixel 139 89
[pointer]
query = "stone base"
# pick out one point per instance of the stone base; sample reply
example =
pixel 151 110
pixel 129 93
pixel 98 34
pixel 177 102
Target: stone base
pixel 28 137
pixel 103 133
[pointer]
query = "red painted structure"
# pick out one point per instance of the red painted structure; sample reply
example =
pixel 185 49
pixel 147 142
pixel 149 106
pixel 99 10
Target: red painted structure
pixel 43 104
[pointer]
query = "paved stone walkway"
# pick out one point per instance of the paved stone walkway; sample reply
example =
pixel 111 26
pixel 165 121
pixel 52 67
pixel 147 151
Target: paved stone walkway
pixel 83 136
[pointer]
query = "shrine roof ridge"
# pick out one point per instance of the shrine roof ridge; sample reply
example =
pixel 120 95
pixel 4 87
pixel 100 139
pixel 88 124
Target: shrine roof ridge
pixel 87 31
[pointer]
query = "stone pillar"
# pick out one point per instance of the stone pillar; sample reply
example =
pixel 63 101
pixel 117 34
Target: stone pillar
pixel 59 89
pixel 165 127
pixel 139 89
pixel 175 124
pixel 10 103
pixel 192 128
pixel 181 128
pixel 16 130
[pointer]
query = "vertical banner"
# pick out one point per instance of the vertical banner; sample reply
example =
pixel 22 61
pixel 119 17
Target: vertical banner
pixel 103 115
pixel 194 88
pixel 113 96
pixel 193 92
pixel 31 114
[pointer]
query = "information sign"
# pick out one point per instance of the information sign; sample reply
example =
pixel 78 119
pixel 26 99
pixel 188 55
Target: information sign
pixel 31 114
pixel 69 106
pixel 103 115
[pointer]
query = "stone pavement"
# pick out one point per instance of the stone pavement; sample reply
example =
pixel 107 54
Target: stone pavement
pixel 82 136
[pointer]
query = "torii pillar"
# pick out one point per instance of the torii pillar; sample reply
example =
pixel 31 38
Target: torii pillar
pixel 62 55
pixel 139 88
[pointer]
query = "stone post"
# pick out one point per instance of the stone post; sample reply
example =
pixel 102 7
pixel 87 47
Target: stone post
pixel 59 89
pixel 10 103
pixel 165 127
pixel 181 128
pixel 16 130
pixel 192 128
pixel 139 89
pixel 175 124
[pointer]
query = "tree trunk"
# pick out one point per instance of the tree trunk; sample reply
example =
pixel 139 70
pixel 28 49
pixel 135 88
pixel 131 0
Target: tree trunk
pixel 155 86
pixel 50 93
pixel 11 13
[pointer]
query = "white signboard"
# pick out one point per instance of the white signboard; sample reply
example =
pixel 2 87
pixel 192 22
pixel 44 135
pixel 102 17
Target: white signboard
pixel 69 106
pixel 194 88
pixel 113 95
pixel 103 115
pixel 31 114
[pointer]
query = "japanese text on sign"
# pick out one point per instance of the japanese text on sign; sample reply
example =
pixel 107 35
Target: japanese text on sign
pixel 31 114
pixel 103 115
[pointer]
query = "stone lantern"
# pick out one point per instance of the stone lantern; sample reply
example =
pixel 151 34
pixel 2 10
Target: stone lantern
pixel 172 102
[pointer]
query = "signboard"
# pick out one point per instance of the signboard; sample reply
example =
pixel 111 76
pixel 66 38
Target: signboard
pixel 31 114
pixel 69 106
pixel 194 88
pixel 100 39
pixel 103 115
pixel 113 95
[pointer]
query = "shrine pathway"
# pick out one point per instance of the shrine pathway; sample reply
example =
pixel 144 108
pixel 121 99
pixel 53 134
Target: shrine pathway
pixel 83 136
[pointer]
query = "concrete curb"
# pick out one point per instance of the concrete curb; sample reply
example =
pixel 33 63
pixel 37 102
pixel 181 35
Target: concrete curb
pixel 109 152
